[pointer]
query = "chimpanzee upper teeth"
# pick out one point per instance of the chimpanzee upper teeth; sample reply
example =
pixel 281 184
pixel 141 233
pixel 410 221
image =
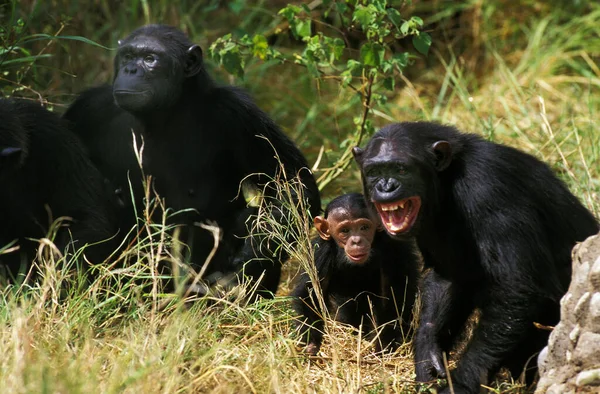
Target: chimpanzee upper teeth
pixel 401 204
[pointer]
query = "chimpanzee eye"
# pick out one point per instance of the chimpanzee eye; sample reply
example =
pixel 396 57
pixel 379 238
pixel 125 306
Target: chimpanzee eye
pixel 344 230
pixel 126 58
pixel 150 60
pixel 365 227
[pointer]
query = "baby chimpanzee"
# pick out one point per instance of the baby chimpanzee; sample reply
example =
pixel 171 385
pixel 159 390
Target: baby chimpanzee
pixel 357 265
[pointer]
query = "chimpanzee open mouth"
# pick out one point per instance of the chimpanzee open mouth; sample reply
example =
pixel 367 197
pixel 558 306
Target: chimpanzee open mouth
pixel 399 216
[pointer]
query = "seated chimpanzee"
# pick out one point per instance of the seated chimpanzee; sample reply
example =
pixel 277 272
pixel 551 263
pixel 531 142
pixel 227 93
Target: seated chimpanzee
pixel 45 175
pixel 200 140
pixel 495 227
pixel 361 270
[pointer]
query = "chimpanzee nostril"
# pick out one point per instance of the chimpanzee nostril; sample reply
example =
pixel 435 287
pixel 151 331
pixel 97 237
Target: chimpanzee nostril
pixel 130 69
pixel 388 185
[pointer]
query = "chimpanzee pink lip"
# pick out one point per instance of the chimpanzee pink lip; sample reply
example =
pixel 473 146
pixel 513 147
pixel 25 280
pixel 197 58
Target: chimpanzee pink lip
pixel 357 257
pixel 398 217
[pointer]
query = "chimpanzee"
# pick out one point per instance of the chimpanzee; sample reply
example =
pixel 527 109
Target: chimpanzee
pixel 201 139
pixel 358 265
pixel 496 228
pixel 44 175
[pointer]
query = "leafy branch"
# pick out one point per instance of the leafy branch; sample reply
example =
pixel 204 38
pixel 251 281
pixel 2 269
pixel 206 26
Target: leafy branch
pixel 326 28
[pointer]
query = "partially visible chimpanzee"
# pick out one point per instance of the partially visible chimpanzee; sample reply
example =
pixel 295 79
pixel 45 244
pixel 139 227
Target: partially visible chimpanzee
pixel 358 265
pixel 496 227
pixel 201 140
pixel 44 175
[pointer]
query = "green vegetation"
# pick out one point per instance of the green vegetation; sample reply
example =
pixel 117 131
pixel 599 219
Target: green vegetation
pixel 526 75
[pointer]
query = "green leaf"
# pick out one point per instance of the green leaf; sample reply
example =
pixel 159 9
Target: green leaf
pixel 232 61
pixel 371 54
pixel 417 21
pixel 337 47
pixel 364 16
pixel 290 12
pixel 400 60
pixel 340 7
pixel 389 83
pixel 260 46
pixel 302 28
pixel 395 17
pixel 353 68
pixel 26 59
pixel 422 42
pixel 42 36
pixel 404 28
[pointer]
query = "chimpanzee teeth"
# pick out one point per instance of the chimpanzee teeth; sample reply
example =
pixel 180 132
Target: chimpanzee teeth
pixel 393 207
pixel 402 226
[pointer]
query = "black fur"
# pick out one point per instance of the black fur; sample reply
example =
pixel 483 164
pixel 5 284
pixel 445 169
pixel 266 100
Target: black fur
pixel 201 139
pixel 496 228
pixel 388 281
pixel 43 166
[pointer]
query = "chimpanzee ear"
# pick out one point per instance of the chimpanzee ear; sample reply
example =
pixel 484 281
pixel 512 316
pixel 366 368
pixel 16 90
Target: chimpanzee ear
pixel 10 151
pixel 322 227
pixel 193 62
pixel 358 152
pixel 443 155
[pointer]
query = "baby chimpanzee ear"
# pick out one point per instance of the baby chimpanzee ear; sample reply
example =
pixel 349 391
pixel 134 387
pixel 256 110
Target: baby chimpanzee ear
pixel 322 227
pixel 193 62
pixel 443 155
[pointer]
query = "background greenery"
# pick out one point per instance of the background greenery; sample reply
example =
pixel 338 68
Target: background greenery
pixel 522 73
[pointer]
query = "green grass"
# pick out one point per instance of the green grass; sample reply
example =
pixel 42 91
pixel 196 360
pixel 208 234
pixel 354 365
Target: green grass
pixel 524 76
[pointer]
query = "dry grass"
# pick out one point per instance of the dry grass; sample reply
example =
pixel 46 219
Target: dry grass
pixel 120 336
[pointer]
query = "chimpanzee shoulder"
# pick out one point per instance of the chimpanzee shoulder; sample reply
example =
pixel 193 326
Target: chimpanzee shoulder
pixel 53 178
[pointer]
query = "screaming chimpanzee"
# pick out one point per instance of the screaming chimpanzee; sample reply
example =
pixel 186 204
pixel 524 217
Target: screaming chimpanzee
pixel 200 141
pixel 358 265
pixel 496 228
pixel 44 175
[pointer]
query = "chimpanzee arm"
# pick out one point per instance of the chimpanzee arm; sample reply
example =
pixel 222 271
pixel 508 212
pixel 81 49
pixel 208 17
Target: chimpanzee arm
pixel 444 311
pixel 399 282
pixel 505 324
pixel 266 154
pixel 305 300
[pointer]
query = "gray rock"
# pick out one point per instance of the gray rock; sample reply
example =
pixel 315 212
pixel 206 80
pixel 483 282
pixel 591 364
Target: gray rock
pixel 571 361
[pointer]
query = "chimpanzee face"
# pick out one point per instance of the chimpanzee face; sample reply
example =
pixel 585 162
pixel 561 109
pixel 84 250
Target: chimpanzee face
pixel 353 234
pixel 150 73
pixel 394 192
pixel 397 177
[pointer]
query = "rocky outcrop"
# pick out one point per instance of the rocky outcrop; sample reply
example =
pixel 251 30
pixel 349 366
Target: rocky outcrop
pixel 571 361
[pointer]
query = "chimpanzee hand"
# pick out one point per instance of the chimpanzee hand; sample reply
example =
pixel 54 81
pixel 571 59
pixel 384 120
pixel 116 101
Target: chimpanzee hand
pixel 312 349
pixel 432 367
